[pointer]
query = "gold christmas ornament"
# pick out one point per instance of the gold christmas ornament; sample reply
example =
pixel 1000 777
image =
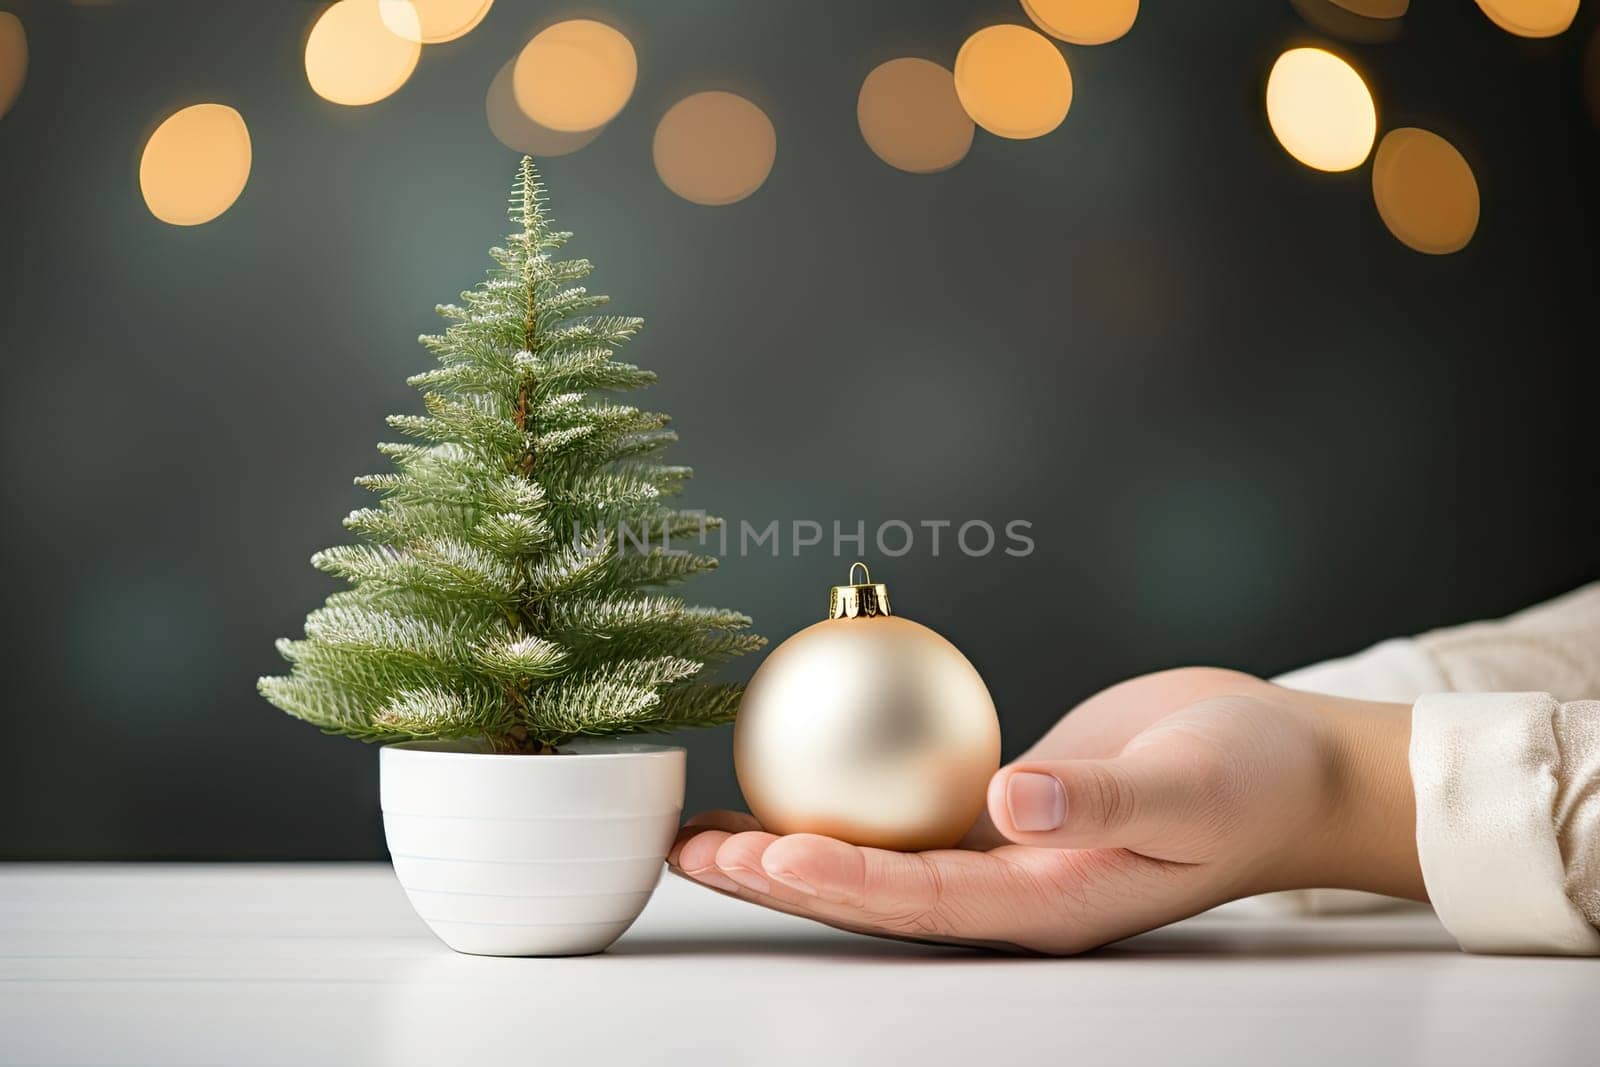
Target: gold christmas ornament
pixel 869 728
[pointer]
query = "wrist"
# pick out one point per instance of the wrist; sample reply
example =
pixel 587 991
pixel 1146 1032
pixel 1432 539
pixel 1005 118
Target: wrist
pixel 1371 816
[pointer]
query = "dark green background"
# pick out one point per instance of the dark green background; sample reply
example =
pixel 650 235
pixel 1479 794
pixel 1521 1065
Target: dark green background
pixel 1248 426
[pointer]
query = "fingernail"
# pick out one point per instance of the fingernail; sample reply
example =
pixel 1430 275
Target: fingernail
pixel 795 882
pixel 716 879
pixel 748 878
pixel 675 853
pixel 1036 801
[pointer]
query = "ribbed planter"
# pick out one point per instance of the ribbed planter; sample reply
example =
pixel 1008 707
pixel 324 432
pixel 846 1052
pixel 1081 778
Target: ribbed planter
pixel 530 855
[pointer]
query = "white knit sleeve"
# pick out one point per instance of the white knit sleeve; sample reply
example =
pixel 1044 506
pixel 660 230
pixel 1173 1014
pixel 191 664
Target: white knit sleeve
pixel 1508 819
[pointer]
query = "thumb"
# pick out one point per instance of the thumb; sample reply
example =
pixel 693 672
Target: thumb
pixel 1134 801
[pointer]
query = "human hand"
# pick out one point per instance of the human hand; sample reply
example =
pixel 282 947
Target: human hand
pixel 1155 799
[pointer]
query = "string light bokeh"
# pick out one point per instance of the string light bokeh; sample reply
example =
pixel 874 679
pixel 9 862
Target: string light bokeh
pixel 195 165
pixel 575 76
pixel 1355 21
pixel 1013 81
pixel 714 148
pixel 432 21
pixel 570 80
pixel 1375 9
pixel 13 60
pixel 1321 110
pixel 1425 191
pixel 513 127
pixel 354 57
pixel 911 118
pixel 1531 18
pixel 1083 21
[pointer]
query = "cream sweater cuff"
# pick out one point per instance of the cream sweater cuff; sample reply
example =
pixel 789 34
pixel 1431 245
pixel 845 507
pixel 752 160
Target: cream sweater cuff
pixel 1509 842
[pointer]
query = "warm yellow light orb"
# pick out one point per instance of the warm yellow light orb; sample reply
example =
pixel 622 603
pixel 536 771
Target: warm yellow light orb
pixel 432 21
pixel 520 133
pixel 13 60
pixel 1013 81
pixel 911 118
pixel 714 148
pixel 354 58
pixel 1347 20
pixel 576 75
pixel 1531 18
pixel 1083 21
pixel 1375 9
pixel 1425 191
pixel 1320 110
pixel 195 165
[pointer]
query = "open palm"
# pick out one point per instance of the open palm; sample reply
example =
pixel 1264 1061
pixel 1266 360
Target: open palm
pixel 1177 791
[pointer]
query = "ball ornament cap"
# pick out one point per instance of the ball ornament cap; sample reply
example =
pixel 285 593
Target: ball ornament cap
pixel 867 727
pixel 863 600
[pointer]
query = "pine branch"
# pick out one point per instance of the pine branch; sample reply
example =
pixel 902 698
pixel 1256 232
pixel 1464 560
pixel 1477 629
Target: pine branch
pixel 658 567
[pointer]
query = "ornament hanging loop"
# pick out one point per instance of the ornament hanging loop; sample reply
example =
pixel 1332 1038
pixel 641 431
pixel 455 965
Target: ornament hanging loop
pixel 858 600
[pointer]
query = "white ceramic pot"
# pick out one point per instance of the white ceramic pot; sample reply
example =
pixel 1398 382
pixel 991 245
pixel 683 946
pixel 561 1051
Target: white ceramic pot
pixel 530 855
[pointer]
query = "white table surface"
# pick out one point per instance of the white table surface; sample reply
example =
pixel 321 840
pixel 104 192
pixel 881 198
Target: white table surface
pixel 166 964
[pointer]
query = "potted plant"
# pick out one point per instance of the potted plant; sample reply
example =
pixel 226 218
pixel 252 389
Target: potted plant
pixel 504 629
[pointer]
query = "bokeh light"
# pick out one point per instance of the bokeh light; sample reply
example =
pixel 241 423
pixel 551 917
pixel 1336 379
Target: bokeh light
pixel 13 60
pixel 911 118
pixel 1337 19
pixel 195 165
pixel 1083 21
pixel 432 21
pixel 575 75
pixel 353 58
pixel 1013 81
pixel 1375 9
pixel 1531 18
pixel 517 131
pixel 1320 110
pixel 714 148
pixel 1425 191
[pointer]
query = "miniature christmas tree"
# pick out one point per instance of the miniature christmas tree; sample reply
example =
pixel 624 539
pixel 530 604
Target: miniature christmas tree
pixel 504 589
